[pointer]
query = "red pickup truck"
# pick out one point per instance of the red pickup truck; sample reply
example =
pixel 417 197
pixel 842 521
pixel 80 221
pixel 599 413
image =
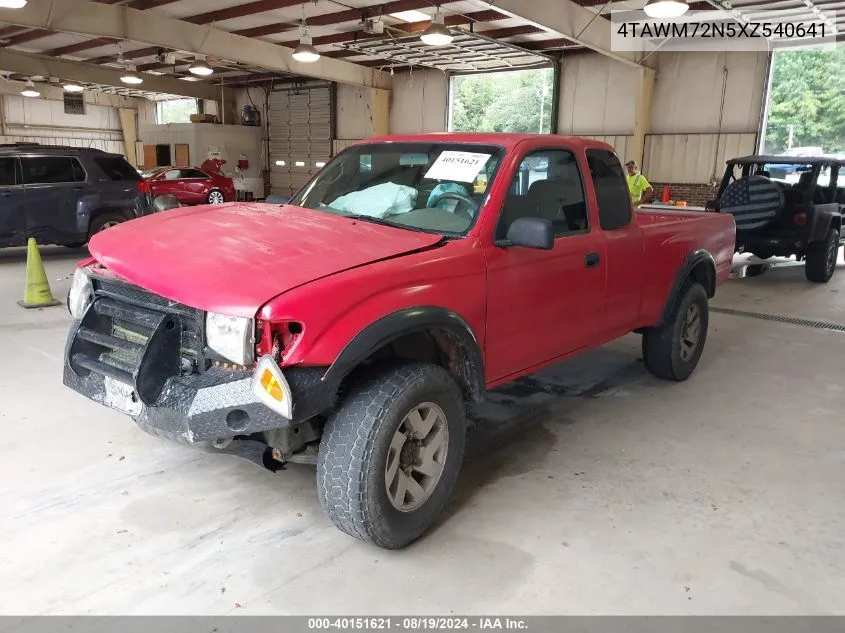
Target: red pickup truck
pixel 411 275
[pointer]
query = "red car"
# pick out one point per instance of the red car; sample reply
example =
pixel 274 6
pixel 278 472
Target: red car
pixel 191 185
pixel 349 327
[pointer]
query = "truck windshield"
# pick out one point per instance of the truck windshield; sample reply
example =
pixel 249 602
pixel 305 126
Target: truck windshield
pixel 432 187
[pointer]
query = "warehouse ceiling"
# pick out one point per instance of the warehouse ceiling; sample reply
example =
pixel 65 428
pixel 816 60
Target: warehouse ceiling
pixel 337 28
pixel 367 33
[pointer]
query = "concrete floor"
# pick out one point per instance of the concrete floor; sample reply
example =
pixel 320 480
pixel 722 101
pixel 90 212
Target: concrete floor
pixel 591 489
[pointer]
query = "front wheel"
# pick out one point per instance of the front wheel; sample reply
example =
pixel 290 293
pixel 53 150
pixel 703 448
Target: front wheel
pixel 391 453
pixel 821 256
pixel 672 351
pixel 215 197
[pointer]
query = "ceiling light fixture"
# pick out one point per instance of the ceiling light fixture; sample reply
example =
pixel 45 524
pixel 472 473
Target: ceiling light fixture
pixel 12 4
pixel 200 68
pixel 71 87
pixel 665 8
pixel 29 90
pixel 130 76
pixel 306 52
pixel 437 34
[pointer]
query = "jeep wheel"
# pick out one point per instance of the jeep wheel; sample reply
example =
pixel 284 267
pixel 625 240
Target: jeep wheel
pixel 821 258
pixel 390 454
pixel 672 351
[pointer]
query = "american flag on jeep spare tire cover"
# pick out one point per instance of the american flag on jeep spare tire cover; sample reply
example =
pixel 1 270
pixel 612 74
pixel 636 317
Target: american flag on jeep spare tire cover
pixel 754 202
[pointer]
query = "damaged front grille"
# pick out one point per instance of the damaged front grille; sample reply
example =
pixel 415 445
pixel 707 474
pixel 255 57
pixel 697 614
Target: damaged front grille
pixel 138 338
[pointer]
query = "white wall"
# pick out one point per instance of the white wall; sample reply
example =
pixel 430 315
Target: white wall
pixel 688 92
pixel 419 102
pixel 597 96
pixel 44 121
pixel 686 142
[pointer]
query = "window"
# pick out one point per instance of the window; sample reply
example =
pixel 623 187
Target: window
pixel 431 187
pixel 512 101
pixel 612 194
pixel 176 111
pixel 78 172
pixel 51 170
pixel 9 172
pixel 547 185
pixel 116 168
pixel 193 173
pixel 173 174
pixel 74 103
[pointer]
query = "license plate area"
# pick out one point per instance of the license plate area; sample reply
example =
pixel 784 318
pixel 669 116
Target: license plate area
pixel 122 397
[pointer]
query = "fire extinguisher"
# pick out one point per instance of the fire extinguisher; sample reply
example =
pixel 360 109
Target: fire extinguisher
pixel 243 162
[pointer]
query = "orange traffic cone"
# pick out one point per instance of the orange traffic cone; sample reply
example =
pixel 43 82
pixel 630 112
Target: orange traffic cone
pixel 37 293
pixel 666 195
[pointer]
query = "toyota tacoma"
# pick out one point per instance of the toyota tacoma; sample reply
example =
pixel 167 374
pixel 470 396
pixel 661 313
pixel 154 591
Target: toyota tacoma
pixel 350 326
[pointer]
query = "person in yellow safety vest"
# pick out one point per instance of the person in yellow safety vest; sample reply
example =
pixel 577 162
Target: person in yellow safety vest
pixel 641 191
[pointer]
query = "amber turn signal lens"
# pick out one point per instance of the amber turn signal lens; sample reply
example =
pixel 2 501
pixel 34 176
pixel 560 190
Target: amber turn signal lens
pixel 271 385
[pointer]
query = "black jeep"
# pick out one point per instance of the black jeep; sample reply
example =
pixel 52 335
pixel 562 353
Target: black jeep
pixel 786 205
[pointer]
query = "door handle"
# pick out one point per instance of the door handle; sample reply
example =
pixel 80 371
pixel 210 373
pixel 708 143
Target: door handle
pixel 591 260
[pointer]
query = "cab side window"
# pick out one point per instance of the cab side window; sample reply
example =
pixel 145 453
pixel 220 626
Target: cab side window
pixel 547 185
pixel 612 195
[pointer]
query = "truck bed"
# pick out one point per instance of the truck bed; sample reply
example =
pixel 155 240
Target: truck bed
pixel 665 242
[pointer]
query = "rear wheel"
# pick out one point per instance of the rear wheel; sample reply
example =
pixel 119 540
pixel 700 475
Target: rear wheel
pixel 215 197
pixel 672 351
pixel 821 257
pixel 390 454
pixel 104 221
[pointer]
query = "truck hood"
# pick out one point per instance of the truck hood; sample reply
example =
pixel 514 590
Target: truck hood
pixel 233 258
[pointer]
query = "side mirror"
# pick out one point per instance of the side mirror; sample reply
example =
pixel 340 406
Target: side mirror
pixel 536 233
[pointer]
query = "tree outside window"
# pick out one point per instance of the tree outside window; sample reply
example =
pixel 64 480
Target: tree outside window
pixel 806 109
pixel 513 101
pixel 176 110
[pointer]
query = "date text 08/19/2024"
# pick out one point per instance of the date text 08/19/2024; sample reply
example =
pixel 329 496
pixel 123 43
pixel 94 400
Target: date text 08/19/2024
pixel 417 624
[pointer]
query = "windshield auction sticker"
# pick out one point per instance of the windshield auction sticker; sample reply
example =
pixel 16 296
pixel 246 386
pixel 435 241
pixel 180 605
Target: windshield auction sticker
pixel 457 166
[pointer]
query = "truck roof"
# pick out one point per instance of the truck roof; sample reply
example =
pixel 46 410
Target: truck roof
pixel 508 141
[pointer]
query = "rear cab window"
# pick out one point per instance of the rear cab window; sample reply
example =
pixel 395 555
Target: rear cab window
pixel 612 195
pixel 116 168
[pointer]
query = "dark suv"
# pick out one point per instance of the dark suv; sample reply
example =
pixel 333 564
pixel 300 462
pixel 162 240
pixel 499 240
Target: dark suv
pixel 63 195
pixel 786 205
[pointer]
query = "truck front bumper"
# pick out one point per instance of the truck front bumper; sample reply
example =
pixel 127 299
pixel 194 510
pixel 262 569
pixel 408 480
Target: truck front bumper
pixel 217 411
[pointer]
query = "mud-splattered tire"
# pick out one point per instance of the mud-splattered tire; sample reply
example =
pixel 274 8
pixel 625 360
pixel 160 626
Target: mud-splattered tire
pixel 821 257
pixel 371 440
pixel 672 350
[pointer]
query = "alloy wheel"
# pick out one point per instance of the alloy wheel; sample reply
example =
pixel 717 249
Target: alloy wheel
pixel 691 332
pixel 416 457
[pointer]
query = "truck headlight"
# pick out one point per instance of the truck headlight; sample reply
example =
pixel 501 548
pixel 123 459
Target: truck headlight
pixel 81 293
pixel 231 337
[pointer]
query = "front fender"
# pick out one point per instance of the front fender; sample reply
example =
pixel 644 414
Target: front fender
pixel 468 363
pixel 446 286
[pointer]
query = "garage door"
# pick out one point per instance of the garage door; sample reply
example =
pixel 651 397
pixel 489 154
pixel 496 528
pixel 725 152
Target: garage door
pixel 300 136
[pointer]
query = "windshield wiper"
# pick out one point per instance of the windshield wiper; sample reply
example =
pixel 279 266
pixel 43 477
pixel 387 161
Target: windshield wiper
pixel 382 221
